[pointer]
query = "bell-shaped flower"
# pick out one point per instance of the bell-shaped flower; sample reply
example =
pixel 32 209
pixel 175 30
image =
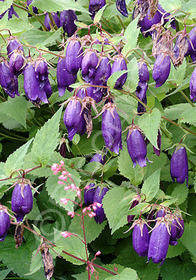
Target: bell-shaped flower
pixel 4 223
pixel 103 72
pixel 41 69
pixel 136 146
pixel 193 85
pixel 121 7
pixel 95 6
pixel 17 62
pixel 89 64
pixel 8 80
pixel 140 238
pixel 143 72
pixel 141 94
pixel 98 158
pixel 13 45
pixel 179 165
pixel 73 56
pixel 89 193
pixel 161 69
pixel 192 43
pixel 111 128
pixel 119 65
pixel 98 197
pixel 67 18
pixel 47 22
pixel 22 200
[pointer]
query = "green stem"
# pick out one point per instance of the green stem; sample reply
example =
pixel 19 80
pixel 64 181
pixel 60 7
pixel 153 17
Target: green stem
pixel 124 27
pixel 187 99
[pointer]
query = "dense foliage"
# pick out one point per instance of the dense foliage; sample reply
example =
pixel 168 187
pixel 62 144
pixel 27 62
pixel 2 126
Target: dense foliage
pixel 98 139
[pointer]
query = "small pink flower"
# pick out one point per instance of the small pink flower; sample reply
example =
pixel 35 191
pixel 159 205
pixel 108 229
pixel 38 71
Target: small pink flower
pixel 91 214
pixel 98 253
pixel 72 214
pixel 62 162
pixel 66 234
pixel 87 187
pixel 60 183
pixel 78 193
pixel 64 200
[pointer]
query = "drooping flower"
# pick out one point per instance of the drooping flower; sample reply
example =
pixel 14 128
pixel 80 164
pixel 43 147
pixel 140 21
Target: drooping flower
pixel 89 194
pixel 192 44
pixel 119 65
pixel 4 223
pixel 161 69
pixel 8 80
pixel 179 165
pixel 143 72
pixel 103 72
pixel 47 22
pixel 95 6
pixel 98 197
pixel 121 7
pixel 22 200
pixel 17 62
pixel 159 243
pixel 73 56
pixel 41 69
pixel 136 147
pixel 98 158
pixel 89 64
pixel 111 128
pixel 140 239
pixel 193 85
pixel 67 18
pixel 135 202
pixel 13 45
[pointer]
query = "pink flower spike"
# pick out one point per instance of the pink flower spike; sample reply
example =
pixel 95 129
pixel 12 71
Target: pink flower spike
pixel 66 234
pixel 71 214
pixel 54 166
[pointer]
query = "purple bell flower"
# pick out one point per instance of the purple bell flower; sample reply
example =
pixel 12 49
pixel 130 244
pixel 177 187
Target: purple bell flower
pixel 17 62
pixel 73 118
pixel 4 223
pixel 141 94
pixel 161 69
pixel 111 128
pixel 119 65
pixel 159 243
pixel 173 233
pixel 64 78
pixel 98 158
pixel 41 69
pixel 8 80
pixel 35 9
pixel 179 166
pixel 96 93
pixel 89 64
pixel 98 197
pixel 22 200
pixel 47 22
pixel 67 18
pixel 89 194
pixel 73 56
pixel 136 147
pixel 192 44
pixel 143 72
pixel 13 45
pixel 193 86
pixel 140 239
pixel 121 7
pixel 103 72
pixel 95 6
pixel 161 213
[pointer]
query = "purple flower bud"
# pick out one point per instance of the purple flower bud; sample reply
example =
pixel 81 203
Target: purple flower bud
pixel 173 233
pixel 16 62
pixel 180 226
pixel 193 85
pixel 64 78
pixel 47 22
pixel 158 151
pixel 98 197
pixel 98 158
pixel 119 65
pixel 22 201
pixel 147 22
pixel 131 217
pixel 8 80
pixel 73 56
pixel 161 213
pixel 41 69
pixel 95 6
pixel 141 94
pixel 34 90
pixel 4 224
pixel 161 69
pixel 89 64
pixel 111 128
pixel 63 149
pixel 73 118
pixel 121 7
pixel 103 72
pixel 192 42
pixel 159 243
pixel 67 19
pixel 13 44
pixel 46 87
pixel 143 72
pixel 96 93
pixel 136 147
pixel 140 239
pixel 179 165
pixel 89 194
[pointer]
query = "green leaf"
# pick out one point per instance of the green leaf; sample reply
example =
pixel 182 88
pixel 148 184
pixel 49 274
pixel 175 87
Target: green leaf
pixel 57 191
pixel 126 274
pixel 5 5
pixel 116 212
pixel 125 166
pixel 150 123
pixel 133 75
pixel 46 140
pixel 187 238
pixel 180 192
pixel 190 8
pixel 99 14
pixel 92 229
pixel 151 185
pixel 4 273
pixel 114 77
pixel 131 37
pixel 177 75
pixel 15 108
pixel 73 245
pixel 188 116
pixel 173 112
pixel 171 5
pixel 176 250
pixel 16 159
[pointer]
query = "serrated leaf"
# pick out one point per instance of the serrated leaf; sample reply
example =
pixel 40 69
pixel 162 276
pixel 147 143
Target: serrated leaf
pixel 16 159
pixel 187 238
pixel 73 245
pixel 92 229
pixel 150 123
pixel 175 251
pixel 133 75
pixel 131 37
pixel 126 274
pixel 115 206
pixel 180 192
pixel 138 208
pixel 173 112
pixel 57 191
pixel 188 116
pixel 176 75
pixel 114 77
pixel 99 14
pixel 4 273
pixel 16 108
pixel 93 167
pixel 36 263
pixel 171 5
pixel 151 185
pixel 46 140
pixel 125 166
